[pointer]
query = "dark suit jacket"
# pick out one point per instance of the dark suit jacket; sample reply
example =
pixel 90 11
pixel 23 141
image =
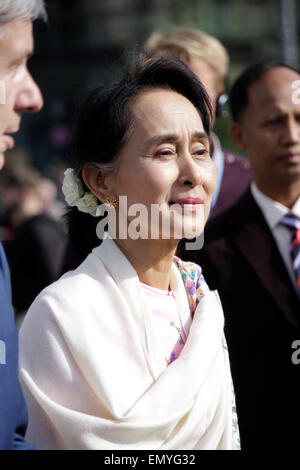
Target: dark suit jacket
pixel 34 258
pixel 262 319
pixel 13 412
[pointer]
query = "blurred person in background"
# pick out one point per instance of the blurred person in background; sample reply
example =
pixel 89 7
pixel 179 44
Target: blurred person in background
pixel 209 61
pixel 48 192
pixel 21 94
pixel 35 250
pixel 251 255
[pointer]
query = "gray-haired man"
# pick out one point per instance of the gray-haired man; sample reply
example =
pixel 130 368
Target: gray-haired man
pixel 18 94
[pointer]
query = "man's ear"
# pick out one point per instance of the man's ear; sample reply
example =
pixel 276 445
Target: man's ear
pixel 237 134
pixel 94 178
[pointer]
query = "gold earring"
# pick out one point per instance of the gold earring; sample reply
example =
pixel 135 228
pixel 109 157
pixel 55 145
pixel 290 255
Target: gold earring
pixel 111 202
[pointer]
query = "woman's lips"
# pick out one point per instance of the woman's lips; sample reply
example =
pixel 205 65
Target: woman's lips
pixel 188 200
pixel 189 203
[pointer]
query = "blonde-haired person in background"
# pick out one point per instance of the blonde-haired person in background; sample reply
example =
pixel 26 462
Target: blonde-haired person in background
pixel 208 59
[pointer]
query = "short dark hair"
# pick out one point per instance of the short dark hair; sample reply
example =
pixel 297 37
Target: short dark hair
pixel 104 121
pixel 238 97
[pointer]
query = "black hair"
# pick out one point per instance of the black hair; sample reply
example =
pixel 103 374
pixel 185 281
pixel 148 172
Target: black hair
pixel 238 97
pixel 104 119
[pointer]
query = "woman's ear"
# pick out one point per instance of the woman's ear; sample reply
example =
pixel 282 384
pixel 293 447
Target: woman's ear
pixel 237 134
pixel 94 178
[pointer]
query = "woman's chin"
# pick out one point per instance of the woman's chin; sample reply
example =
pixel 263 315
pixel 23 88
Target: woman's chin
pixel 189 227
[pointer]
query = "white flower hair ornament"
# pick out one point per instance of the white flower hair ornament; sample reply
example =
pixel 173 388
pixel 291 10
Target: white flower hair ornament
pixel 75 195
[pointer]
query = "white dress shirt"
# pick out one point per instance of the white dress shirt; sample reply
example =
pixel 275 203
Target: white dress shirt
pixel 273 212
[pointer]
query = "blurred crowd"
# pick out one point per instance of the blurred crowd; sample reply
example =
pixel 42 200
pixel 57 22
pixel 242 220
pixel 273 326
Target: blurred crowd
pixel 32 228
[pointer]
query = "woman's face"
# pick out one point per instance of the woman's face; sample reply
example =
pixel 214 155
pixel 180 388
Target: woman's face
pixel 166 161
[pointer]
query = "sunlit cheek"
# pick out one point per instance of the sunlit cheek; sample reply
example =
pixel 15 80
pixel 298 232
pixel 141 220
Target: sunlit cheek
pixel 207 207
pixel 210 179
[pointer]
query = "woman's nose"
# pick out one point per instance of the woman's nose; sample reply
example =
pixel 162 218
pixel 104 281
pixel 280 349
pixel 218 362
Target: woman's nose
pixel 190 172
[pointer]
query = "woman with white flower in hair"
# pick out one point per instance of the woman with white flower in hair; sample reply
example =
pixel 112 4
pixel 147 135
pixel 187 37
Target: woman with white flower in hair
pixel 127 351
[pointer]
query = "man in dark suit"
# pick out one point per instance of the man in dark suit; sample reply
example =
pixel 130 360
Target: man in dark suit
pixel 249 258
pixel 208 59
pixel 19 93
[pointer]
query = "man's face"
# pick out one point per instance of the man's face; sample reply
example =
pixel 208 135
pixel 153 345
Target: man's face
pixel 19 92
pixel 269 129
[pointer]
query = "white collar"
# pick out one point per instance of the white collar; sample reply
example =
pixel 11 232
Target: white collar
pixel 272 210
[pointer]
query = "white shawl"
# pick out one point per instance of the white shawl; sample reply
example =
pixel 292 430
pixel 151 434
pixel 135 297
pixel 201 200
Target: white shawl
pixel 89 370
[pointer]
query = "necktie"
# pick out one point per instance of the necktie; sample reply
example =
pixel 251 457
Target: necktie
pixel 293 223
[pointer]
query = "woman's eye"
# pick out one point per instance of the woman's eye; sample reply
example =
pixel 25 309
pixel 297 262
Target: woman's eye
pixel 165 152
pixel 201 151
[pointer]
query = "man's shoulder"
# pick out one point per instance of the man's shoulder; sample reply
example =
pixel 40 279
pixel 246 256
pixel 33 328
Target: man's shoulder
pixel 13 414
pixel 237 172
pixel 4 270
pixel 5 287
pixel 236 178
pixel 234 160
